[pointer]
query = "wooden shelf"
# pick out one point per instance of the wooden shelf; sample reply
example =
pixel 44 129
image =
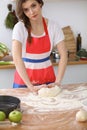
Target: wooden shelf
pixel 12 66
pixel 80 62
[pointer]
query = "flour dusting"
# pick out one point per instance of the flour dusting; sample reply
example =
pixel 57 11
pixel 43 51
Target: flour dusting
pixel 65 100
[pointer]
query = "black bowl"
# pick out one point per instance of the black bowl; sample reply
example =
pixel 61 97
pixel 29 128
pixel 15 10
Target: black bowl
pixel 9 103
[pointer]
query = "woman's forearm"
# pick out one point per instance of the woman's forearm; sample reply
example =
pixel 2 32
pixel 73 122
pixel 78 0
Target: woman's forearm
pixel 61 69
pixel 20 67
pixel 62 62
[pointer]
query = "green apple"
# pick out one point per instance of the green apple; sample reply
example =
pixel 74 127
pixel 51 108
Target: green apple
pixel 15 116
pixel 2 116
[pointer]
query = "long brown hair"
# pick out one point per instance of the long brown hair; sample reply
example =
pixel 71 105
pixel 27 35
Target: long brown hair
pixel 23 17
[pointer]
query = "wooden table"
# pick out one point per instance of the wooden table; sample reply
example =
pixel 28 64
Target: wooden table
pixel 57 120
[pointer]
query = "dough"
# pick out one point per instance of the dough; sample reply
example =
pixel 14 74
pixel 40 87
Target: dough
pixel 49 92
pixel 81 115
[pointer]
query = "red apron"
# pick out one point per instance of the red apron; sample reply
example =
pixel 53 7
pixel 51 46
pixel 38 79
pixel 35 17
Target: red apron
pixel 37 61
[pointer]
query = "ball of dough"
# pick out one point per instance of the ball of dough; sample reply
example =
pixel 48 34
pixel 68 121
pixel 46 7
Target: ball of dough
pixel 81 116
pixel 49 92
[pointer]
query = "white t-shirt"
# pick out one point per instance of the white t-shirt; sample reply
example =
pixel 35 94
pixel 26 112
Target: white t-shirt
pixel 55 33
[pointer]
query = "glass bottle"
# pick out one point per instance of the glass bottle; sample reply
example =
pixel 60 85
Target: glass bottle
pixel 79 42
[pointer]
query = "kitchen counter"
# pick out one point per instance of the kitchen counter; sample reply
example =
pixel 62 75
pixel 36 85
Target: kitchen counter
pixel 79 62
pixel 76 72
pixel 56 120
pixel 11 66
pixel 54 62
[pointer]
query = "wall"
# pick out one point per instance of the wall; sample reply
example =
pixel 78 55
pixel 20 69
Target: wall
pixel 5 34
pixel 74 74
pixel 69 12
pixel 6 78
pixel 65 12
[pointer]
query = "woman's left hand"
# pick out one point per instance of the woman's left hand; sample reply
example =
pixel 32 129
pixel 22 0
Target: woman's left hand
pixel 53 84
pixel 38 87
pixel 57 83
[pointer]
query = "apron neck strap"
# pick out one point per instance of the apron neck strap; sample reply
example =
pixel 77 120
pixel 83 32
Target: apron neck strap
pixel 45 26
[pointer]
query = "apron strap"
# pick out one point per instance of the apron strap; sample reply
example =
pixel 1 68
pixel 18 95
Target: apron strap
pixel 45 26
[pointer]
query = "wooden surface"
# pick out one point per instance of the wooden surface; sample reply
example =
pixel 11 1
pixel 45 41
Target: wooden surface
pixel 11 66
pixel 80 62
pixel 54 62
pixel 69 39
pixel 57 120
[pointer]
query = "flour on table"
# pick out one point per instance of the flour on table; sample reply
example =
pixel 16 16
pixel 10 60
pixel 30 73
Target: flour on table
pixel 64 100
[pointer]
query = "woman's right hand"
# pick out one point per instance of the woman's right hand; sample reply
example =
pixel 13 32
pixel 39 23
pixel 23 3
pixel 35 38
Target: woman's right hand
pixel 31 88
pixel 34 89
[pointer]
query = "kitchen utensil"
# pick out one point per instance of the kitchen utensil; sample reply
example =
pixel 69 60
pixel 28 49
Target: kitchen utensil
pixel 9 103
pixel 55 55
pixel 83 58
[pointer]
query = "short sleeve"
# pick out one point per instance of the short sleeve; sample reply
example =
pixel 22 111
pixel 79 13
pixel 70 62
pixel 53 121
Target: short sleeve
pixel 58 35
pixel 18 32
pixel 55 33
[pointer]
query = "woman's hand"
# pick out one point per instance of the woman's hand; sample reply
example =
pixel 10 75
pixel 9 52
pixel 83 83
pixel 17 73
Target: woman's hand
pixel 31 88
pixel 57 83
pixel 53 84
pixel 34 89
pixel 38 87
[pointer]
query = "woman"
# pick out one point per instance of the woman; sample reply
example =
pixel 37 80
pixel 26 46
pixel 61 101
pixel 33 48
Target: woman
pixel 33 40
